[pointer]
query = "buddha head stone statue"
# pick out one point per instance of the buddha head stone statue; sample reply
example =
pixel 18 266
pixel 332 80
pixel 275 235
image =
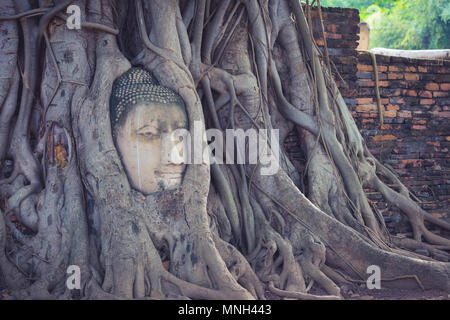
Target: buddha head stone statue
pixel 143 116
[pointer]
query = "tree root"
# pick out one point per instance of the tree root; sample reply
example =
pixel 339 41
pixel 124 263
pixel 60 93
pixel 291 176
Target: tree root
pixel 70 188
pixel 299 295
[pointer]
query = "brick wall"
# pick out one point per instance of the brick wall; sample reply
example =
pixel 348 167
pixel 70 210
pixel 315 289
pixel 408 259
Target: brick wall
pixel 415 96
pixel 341 27
pixel 415 136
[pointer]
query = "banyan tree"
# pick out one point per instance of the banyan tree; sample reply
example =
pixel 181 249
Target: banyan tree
pixel 83 113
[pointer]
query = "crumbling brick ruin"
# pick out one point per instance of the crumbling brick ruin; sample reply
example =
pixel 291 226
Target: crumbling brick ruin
pixel 414 139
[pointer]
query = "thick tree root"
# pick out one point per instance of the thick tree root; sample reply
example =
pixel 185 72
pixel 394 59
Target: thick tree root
pixel 68 201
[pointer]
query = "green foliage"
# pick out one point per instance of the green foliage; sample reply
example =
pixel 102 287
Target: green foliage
pixel 403 24
pixel 361 5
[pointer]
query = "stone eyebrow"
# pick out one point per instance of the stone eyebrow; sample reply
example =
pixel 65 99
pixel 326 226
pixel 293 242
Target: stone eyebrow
pixel 147 125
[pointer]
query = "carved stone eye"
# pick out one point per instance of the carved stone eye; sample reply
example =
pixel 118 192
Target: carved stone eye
pixel 148 131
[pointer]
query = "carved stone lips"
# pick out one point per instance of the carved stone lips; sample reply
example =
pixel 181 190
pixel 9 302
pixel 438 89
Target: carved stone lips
pixel 170 172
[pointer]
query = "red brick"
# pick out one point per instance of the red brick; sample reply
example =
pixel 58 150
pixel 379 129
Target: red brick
pixel 333 36
pixel 410 69
pixel 404 114
pixel 383 83
pixel 332 28
pixel 395 76
pixel 414 162
pixel 320 42
pixel 392 108
pixel 432 86
pixel 394 68
pixel 443 114
pixel 418 127
pixel 384 137
pixel 364 100
pixel 412 77
pixel 440 94
pixel 366 108
pixel 384 101
pixel 422 69
pixel 426 94
pixel 390 114
pixel 367 120
pixel 363 67
pixel 382 68
pixel 445 86
pixel 426 101
pixel 410 93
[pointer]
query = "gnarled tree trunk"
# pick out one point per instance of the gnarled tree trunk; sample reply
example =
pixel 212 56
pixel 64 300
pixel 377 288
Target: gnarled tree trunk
pixel 228 232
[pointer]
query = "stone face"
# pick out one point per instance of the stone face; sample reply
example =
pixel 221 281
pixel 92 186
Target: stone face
pixel 143 116
pixel 415 97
